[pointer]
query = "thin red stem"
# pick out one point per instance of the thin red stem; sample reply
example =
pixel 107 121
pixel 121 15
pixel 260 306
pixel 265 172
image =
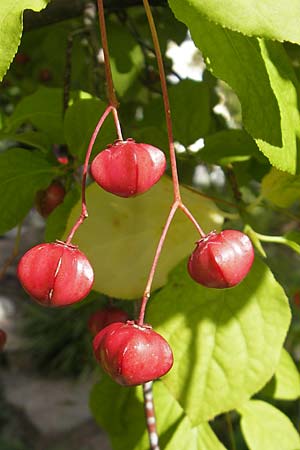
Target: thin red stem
pixel 147 291
pixel 110 85
pixel 150 415
pixel 117 124
pixel 191 218
pixel 84 213
pixel 163 81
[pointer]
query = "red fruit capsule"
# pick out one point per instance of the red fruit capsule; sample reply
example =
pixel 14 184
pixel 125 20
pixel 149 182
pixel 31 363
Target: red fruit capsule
pixel 221 260
pixel 100 319
pixel 3 338
pixel 56 274
pixel 128 168
pixel 132 354
pixel 50 198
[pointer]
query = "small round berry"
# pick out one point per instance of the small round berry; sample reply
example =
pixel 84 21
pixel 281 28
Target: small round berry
pixel 221 260
pixel 100 319
pixel 3 339
pixel 56 274
pixel 47 200
pixel 127 168
pixel 132 354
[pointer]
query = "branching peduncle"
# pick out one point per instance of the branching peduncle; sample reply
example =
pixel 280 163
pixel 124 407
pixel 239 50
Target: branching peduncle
pixel 147 291
pixel 84 213
pixel 177 202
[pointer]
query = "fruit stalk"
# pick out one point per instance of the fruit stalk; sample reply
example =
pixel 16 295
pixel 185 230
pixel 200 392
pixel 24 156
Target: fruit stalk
pixel 150 416
pixel 84 213
pixel 147 291
pixel 108 75
pixel 166 101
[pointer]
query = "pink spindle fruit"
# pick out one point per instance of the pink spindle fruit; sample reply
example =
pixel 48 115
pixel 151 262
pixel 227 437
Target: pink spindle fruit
pixel 127 168
pixel 48 199
pixel 221 260
pixel 132 354
pixel 56 274
pixel 100 319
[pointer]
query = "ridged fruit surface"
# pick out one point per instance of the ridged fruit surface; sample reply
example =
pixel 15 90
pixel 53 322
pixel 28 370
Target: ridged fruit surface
pixel 132 354
pixel 127 168
pixel 55 274
pixel 103 317
pixel 221 260
pixel 47 200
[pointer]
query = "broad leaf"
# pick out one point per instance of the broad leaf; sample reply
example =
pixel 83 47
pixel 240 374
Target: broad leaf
pixel 126 59
pixel 120 412
pixel 80 121
pixel 281 188
pixel 190 108
pixel 218 338
pixel 267 18
pixel 43 109
pixel 229 146
pixel 32 138
pixel 22 174
pixel 285 384
pixel 266 428
pixel 11 26
pixel 262 76
pixel 120 236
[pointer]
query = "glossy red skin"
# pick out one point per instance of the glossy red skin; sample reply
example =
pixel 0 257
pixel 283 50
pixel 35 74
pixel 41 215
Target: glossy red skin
pixel 100 319
pixel 221 260
pixel 50 198
pixel 55 274
pixel 131 354
pixel 3 339
pixel 128 168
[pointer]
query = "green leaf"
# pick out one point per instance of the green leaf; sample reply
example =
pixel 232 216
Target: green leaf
pixel 43 110
pixel 190 106
pixel 229 146
pixel 126 60
pixel 154 136
pixel 57 220
pixel 268 18
pixel 120 412
pixel 218 338
pixel 261 75
pixel 80 121
pixel 22 174
pixel 120 236
pixel 280 188
pixel 11 27
pixel 266 428
pixel 286 88
pixel 285 384
pixel 33 138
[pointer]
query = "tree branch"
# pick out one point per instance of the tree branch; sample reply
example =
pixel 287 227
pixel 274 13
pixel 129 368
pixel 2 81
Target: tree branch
pixel 59 10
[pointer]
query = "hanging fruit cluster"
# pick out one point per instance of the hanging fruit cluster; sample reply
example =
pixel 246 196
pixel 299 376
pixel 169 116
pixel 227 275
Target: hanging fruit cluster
pixel 59 274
